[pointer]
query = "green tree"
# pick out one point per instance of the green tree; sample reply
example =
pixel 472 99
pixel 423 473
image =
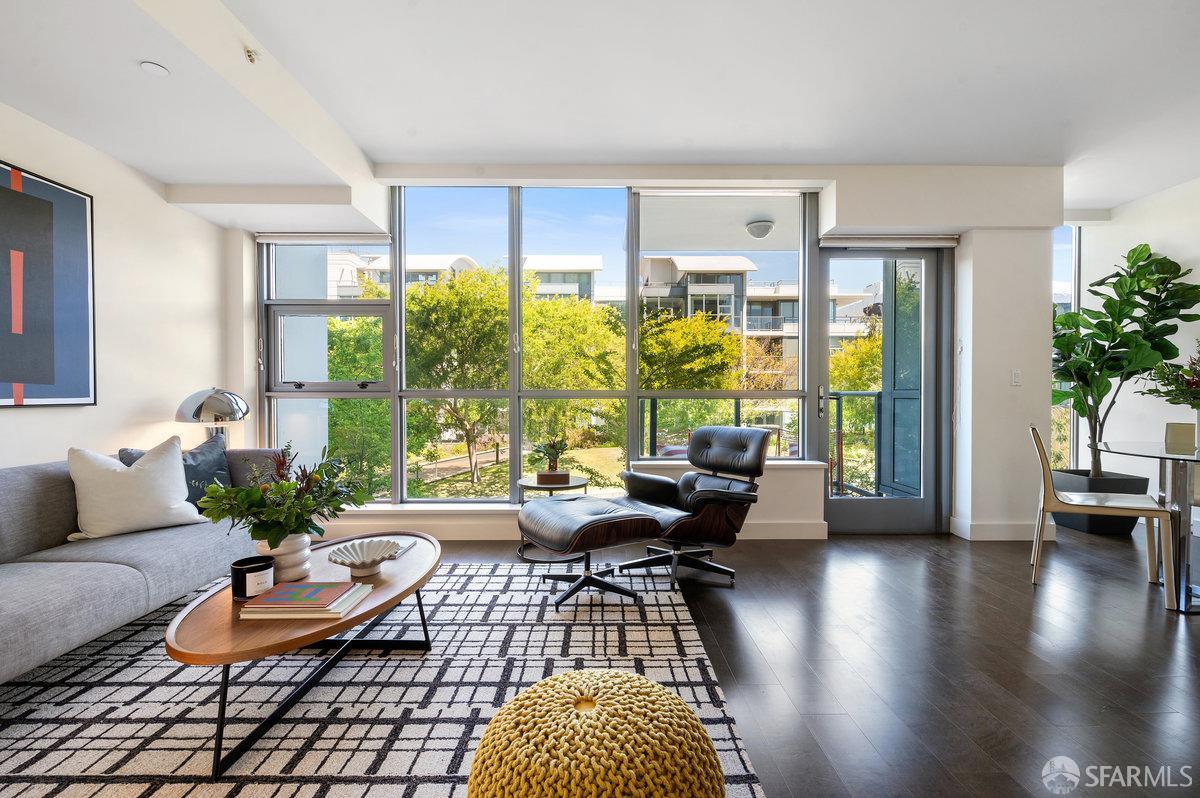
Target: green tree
pixel 458 331
pixel 458 338
pixel 568 342
pixel 683 353
pixel 360 429
pixel 857 365
pixel 360 435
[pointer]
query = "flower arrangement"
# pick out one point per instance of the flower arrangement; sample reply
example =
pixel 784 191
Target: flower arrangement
pixel 288 500
pixel 1178 383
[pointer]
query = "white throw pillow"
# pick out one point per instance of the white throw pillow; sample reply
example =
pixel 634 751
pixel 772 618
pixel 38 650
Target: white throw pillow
pixel 113 498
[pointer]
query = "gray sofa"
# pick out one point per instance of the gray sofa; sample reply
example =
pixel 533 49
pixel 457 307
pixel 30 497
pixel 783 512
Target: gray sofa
pixel 56 595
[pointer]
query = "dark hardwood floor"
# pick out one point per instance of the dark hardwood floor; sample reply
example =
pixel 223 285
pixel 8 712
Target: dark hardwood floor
pixel 928 666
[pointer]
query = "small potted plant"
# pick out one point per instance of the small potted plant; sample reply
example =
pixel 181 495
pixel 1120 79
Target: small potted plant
pixel 1097 351
pixel 549 453
pixel 281 509
pixel 1179 384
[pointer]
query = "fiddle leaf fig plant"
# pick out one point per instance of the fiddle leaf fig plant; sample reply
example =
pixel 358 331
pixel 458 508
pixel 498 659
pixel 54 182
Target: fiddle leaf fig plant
pixel 1098 350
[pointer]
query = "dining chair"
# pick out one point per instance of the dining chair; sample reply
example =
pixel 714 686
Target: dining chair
pixel 1124 504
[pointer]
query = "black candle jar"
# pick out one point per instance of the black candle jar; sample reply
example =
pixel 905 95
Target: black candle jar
pixel 251 576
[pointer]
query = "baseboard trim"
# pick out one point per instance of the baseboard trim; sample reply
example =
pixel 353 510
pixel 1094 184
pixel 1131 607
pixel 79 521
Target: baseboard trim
pixel 785 530
pixel 984 531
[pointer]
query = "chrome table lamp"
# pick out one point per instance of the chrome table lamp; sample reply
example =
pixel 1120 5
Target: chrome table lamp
pixel 214 407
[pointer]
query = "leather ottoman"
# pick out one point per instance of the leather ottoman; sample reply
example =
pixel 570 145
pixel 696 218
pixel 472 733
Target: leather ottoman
pixel 575 524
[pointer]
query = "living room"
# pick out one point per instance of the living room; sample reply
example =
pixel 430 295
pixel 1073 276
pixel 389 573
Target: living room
pixel 383 412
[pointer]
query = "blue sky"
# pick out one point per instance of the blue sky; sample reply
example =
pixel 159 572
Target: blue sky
pixel 1064 254
pixel 555 221
pixel 572 221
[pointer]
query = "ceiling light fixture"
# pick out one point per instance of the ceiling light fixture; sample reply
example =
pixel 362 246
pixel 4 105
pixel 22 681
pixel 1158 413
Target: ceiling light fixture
pixel 760 229
pixel 154 68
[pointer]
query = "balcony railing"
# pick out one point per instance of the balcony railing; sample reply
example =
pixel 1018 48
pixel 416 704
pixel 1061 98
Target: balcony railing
pixel 790 285
pixel 845 481
pixel 771 323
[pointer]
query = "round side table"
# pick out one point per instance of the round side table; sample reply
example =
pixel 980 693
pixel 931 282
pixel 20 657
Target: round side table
pixel 531 483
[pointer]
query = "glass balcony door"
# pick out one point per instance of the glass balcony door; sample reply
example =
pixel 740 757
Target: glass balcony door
pixel 875 354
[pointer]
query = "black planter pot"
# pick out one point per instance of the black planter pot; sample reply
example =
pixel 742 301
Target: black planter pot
pixel 1076 480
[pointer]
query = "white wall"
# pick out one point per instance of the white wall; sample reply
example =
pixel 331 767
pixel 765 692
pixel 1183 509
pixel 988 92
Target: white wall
pixel 158 288
pixel 791 498
pixel 239 328
pixel 1170 222
pixel 1002 323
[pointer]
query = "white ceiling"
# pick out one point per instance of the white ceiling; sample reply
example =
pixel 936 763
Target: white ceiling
pixel 717 223
pixel 74 66
pixel 1106 87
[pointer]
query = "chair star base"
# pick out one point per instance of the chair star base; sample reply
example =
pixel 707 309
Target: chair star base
pixel 589 578
pixel 676 556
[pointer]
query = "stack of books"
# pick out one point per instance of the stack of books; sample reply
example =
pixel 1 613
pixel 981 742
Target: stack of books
pixel 305 601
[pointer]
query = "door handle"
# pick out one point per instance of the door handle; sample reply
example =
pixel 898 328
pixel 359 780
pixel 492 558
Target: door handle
pixel 820 401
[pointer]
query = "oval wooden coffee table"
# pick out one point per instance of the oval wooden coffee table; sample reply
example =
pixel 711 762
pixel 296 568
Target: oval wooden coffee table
pixel 209 632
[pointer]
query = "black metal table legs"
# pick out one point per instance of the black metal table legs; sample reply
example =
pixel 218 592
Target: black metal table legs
pixel 340 647
pixel 1183 596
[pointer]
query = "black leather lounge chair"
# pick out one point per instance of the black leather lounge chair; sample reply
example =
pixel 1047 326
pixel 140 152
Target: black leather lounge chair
pixel 701 510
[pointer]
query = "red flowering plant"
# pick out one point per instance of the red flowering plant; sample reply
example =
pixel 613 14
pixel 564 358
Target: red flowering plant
pixel 287 500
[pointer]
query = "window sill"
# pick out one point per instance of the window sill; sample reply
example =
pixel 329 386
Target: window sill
pixel 434 508
pixel 772 465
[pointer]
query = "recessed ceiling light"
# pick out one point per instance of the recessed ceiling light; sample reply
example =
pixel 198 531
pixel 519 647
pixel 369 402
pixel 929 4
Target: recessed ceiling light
pixel 154 68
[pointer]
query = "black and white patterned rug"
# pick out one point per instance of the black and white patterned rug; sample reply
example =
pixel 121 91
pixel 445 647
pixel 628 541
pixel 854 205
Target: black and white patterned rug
pixel 117 717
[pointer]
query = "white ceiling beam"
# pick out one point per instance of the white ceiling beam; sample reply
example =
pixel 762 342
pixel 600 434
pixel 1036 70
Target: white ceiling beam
pixel 217 37
pixel 1086 215
pixel 237 194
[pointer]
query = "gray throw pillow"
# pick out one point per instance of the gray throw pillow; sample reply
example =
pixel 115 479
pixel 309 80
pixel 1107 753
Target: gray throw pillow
pixel 250 467
pixel 202 466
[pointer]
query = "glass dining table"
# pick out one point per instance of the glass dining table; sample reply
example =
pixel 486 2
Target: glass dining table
pixel 1176 470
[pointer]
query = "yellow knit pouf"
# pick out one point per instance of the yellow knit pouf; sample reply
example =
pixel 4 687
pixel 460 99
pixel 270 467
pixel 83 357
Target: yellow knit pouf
pixel 596 733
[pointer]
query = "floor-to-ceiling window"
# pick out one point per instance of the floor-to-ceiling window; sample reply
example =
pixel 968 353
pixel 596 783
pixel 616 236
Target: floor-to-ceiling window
pixel 718 278
pixel 506 317
pixel 1065 291
pixel 329 379
pixel 573 343
pixel 455 388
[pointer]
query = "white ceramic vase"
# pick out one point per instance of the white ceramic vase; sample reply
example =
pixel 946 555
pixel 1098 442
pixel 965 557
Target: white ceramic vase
pixel 291 557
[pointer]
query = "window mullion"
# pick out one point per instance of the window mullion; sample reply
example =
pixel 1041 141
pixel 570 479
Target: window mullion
pixel 399 416
pixel 633 414
pixel 514 341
